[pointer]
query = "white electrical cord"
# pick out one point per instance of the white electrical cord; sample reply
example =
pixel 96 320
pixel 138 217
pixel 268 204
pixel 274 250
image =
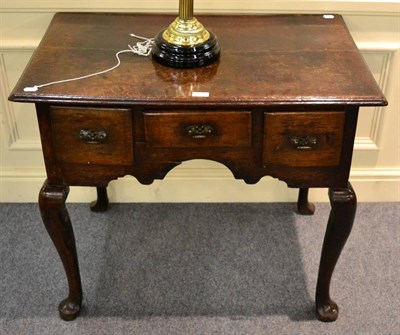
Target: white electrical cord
pixel 140 48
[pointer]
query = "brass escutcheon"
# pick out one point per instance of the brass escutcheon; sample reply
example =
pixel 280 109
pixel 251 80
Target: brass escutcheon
pixel 92 136
pixel 199 131
pixel 303 142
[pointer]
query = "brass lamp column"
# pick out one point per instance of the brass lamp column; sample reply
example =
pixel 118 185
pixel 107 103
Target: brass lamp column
pixel 186 43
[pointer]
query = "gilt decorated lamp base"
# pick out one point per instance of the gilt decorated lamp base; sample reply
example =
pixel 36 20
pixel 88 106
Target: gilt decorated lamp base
pixel 185 43
pixel 185 56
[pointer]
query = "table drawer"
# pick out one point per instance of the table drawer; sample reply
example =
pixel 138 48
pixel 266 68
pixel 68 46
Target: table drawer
pixel 92 136
pixel 197 129
pixel 303 139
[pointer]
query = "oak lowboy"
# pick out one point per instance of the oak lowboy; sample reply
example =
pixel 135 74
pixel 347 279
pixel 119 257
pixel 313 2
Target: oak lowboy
pixel 282 101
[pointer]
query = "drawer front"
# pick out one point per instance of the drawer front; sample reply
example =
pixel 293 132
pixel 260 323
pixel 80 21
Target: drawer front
pixel 198 129
pixel 92 136
pixel 304 139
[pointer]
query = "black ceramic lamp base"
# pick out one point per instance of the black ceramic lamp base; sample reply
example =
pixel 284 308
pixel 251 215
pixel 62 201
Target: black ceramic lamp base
pixel 185 56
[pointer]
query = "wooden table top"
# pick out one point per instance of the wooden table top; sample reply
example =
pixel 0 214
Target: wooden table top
pixel 265 61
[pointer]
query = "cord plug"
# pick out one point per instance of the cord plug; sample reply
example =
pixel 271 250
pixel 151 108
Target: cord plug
pixel 31 89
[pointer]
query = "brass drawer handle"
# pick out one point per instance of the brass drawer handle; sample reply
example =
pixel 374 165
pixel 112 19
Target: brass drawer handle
pixel 303 142
pixel 199 131
pixel 92 136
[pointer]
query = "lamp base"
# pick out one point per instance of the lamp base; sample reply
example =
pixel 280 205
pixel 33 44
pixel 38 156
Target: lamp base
pixel 183 56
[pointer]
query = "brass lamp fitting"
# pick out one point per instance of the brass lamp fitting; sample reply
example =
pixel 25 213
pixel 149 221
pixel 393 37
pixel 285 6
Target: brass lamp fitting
pixel 185 43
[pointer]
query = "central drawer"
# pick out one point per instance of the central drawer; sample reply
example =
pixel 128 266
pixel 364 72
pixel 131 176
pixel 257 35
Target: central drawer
pixel 194 129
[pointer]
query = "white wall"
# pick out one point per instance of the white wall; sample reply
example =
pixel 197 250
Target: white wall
pixel 375 26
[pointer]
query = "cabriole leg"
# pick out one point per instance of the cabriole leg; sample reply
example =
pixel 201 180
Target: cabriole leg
pixel 56 220
pixel 340 223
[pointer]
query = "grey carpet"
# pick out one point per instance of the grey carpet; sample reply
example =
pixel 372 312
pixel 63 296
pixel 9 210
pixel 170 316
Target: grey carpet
pixel 200 269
